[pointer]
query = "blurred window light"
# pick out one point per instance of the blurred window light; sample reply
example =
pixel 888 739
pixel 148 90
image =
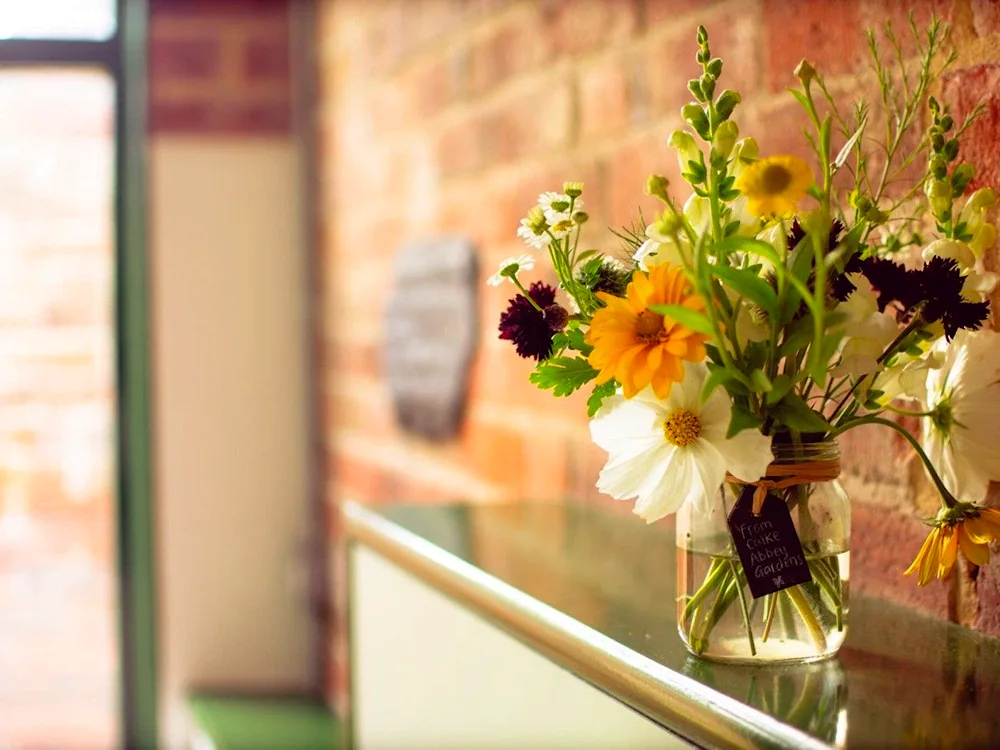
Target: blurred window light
pixel 57 19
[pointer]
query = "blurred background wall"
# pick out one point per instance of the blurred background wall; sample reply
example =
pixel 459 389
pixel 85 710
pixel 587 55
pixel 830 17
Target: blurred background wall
pixel 230 357
pixel 450 116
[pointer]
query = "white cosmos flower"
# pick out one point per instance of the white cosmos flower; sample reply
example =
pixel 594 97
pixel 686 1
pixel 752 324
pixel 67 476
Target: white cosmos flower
pixel 511 266
pixel 962 436
pixel 667 453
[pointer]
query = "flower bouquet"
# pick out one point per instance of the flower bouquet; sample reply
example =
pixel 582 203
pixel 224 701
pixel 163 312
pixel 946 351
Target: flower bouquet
pixel 741 332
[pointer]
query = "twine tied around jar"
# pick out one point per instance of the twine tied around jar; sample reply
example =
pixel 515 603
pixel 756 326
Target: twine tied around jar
pixel 778 476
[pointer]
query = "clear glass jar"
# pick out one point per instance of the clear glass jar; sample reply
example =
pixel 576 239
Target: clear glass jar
pixel 717 616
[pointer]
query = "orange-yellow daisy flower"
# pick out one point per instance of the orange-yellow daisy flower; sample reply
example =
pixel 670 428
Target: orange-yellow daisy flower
pixel 972 533
pixel 775 185
pixel 639 347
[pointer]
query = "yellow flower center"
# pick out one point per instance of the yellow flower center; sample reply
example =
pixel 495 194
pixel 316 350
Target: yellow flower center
pixel 775 178
pixel 648 325
pixel 681 428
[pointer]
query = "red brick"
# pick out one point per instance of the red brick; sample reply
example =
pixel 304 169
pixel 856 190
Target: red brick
pixel 610 97
pixel 585 25
pixel 190 59
pixel 459 149
pixel 533 124
pixel 963 89
pixel 628 169
pixel 666 12
pixel 875 14
pixel 267 58
pixel 986 16
pixel 508 50
pixel 826 32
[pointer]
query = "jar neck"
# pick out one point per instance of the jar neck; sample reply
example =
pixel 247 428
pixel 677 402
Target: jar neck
pixel 792 453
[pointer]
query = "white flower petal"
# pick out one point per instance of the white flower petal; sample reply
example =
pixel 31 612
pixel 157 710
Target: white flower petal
pixel 747 454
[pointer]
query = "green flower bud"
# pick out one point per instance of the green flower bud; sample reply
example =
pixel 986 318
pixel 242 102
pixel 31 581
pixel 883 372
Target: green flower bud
pixel 951 149
pixel 696 118
pixel 702 36
pixel 947 123
pixel 725 139
pixel 657 186
pixel 726 103
pixel 687 149
pixel 580 217
pixel 714 68
pixel 938 167
pixel 573 189
pixel 939 195
pixel 937 141
pixel 805 72
pixel 707 85
pixel 961 177
pixel 666 224
pixel 694 86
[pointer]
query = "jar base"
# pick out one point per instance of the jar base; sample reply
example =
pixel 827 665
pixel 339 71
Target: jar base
pixel 785 651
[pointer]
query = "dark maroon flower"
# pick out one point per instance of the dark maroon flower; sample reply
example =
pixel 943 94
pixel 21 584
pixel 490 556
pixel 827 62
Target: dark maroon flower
pixel 530 329
pixel 942 282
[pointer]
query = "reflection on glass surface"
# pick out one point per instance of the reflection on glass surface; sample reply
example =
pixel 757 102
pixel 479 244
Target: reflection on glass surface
pixel 58 642
pixel 902 678
pixel 57 19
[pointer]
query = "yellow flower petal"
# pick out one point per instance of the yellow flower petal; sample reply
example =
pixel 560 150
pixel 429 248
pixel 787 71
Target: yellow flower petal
pixel 641 347
pixel 975 553
pixel 949 549
pixel 775 185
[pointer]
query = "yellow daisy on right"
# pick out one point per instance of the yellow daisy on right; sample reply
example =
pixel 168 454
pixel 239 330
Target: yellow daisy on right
pixel 969 528
pixel 775 185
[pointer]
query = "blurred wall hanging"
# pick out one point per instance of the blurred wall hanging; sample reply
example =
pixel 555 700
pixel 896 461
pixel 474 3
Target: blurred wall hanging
pixel 430 335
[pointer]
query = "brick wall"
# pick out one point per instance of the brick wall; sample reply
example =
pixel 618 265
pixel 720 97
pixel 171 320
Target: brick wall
pixel 219 67
pixel 445 116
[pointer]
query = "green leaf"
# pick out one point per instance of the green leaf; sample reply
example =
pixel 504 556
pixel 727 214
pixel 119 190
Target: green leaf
pixel 798 336
pixel 760 382
pixel 780 386
pixel 742 420
pixel 600 393
pixel 575 340
pixel 717 375
pixel 799 97
pixel 795 414
pixel 687 318
pixel 749 285
pixel 746 245
pixel 846 150
pixel 563 375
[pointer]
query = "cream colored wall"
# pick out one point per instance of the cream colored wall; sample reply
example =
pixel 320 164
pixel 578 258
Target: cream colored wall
pixel 228 320
pixel 429 674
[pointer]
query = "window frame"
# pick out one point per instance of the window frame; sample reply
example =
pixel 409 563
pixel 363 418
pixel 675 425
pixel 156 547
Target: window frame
pixel 123 57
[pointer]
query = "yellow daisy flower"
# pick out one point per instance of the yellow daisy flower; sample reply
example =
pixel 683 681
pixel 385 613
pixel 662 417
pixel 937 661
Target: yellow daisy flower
pixel 971 529
pixel 639 347
pixel 775 185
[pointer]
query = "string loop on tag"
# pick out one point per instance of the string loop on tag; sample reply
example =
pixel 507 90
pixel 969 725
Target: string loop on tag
pixel 778 476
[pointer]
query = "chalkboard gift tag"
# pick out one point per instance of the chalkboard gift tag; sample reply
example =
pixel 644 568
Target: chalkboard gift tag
pixel 767 544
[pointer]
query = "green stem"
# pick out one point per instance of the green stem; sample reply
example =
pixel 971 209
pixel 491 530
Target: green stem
pixel 808 617
pixel 524 292
pixel 947 499
pixel 743 607
pixel 715 571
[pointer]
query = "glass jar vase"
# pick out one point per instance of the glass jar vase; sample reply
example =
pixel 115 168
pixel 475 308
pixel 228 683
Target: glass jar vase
pixel 717 616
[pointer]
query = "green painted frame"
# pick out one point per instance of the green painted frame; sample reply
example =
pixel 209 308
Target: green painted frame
pixel 124 57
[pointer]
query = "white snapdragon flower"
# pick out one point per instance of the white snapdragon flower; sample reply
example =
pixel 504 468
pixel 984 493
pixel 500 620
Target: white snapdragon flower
pixel 667 453
pixel 867 331
pixel 661 245
pixel 509 267
pixel 963 395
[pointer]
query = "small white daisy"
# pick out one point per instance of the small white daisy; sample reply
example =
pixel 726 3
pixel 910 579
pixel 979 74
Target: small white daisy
pixel 509 267
pixel 556 206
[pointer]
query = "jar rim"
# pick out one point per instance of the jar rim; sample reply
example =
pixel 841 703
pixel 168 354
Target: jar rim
pixel 815 450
